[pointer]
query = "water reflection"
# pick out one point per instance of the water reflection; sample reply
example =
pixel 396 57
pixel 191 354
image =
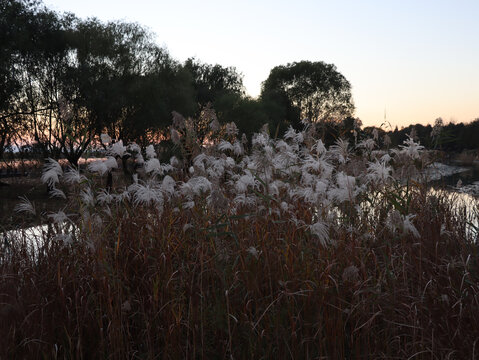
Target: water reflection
pixel 34 238
pixel 466 181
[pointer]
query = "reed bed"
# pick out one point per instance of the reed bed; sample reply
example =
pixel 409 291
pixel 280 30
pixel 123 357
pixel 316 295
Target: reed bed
pixel 288 250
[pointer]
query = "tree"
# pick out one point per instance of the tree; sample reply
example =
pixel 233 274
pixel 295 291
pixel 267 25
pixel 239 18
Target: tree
pixel 56 120
pixel 317 89
pixel 128 83
pixel 221 87
pixel 64 80
pixel 25 27
pixel 249 115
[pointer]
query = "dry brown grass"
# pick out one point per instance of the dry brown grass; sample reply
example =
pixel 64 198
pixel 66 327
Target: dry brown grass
pixel 151 290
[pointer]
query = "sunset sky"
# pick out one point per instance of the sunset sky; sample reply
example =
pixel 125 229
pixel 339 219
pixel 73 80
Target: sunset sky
pixel 415 60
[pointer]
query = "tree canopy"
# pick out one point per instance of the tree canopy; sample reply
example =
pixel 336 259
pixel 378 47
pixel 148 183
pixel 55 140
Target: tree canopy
pixel 65 80
pixel 317 89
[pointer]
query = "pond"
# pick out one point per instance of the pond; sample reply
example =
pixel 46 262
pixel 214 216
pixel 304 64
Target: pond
pixel 461 179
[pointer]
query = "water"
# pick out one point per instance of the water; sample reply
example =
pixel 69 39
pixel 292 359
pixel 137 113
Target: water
pixel 469 179
pixel 34 237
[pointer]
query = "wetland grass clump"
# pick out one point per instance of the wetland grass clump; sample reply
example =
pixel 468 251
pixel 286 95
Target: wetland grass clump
pixel 280 248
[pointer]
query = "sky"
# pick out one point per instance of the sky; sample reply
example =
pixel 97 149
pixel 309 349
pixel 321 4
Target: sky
pixel 407 61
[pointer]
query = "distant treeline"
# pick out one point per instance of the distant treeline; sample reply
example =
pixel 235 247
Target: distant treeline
pixel 449 137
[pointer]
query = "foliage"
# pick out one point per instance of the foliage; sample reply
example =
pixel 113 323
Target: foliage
pixel 317 89
pixel 446 137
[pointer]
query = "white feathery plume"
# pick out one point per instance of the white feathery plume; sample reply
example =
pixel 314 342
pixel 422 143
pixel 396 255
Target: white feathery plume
pixel 261 139
pixel 217 200
pixel 111 163
pixel 351 273
pixel 98 166
pixel 387 140
pixel 174 161
pixel 51 172
pixel 319 147
pixel 341 150
pixel 326 168
pixel 321 186
pixel 378 172
pixel 284 206
pixel 225 146
pixel 59 217
pixel 292 134
pixel 25 206
pixel 245 200
pixel 166 168
pixel 87 197
pixel 188 205
pixel 367 144
pixel 57 193
pixel 153 166
pixel 150 152
pixel 107 210
pixel 215 125
pixel 345 190
pixel 187 227
pixel 65 238
pixel 286 158
pixel 307 194
pixel 168 186
pixel 409 226
pixel 244 181
pixel 123 196
pixel 216 168
pixel 103 166
pixel 411 148
pixel 104 197
pixel 396 221
pixel 146 194
pixel 105 139
pixel 73 176
pixel 385 158
pixel 178 120
pixel 231 129
pixel 310 163
pixel 134 147
pixel 321 231
pixel 238 149
pixel 253 251
pixel 199 162
pixel 195 186
pixel 229 162
pixel 273 189
pixel 118 149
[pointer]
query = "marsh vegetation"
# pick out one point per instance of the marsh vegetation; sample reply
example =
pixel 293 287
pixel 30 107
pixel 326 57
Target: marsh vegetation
pixel 279 248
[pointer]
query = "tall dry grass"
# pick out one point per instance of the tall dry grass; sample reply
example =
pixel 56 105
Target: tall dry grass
pixel 208 282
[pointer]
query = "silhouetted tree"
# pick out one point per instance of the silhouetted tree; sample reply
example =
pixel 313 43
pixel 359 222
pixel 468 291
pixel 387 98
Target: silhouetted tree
pixel 221 87
pixel 317 89
pixel 26 33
